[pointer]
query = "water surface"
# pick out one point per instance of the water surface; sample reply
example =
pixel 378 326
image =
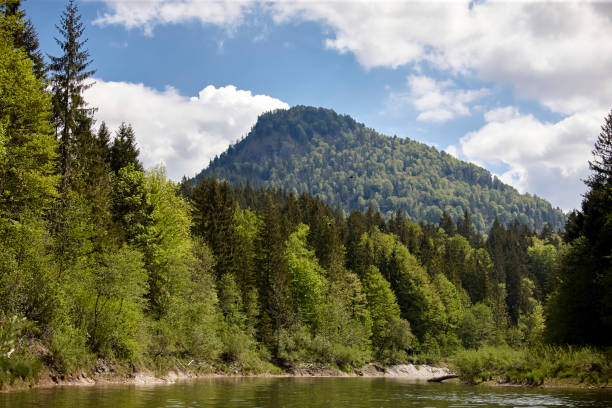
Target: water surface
pixel 304 393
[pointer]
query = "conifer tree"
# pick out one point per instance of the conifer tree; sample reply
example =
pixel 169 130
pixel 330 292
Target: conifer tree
pixel 273 277
pixel 23 34
pixel 124 150
pixel 69 79
pixel 447 224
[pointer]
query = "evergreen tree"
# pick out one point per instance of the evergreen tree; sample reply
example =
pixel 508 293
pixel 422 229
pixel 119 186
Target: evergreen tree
pixel 124 150
pixel 580 309
pixel 23 34
pixel 69 79
pixel 447 224
pixel 27 187
pixel 273 278
pixel 27 148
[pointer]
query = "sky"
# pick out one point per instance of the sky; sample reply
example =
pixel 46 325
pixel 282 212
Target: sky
pixel 518 87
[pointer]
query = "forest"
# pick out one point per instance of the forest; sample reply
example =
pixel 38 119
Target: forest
pixel 106 264
pixel 315 150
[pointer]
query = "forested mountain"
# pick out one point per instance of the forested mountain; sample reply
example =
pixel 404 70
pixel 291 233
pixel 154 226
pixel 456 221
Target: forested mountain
pixel 315 150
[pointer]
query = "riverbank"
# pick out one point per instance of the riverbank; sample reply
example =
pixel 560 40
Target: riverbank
pixel 111 375
pixel 542 366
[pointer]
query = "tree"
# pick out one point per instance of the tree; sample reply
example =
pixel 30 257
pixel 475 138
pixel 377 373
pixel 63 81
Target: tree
pixel 22 33
pixel 601 165
pixel 69 79
pixel 273 277
pixel 580 308
pixel 27 146
pixel 447 224
pixel 305 275
pixel 123 150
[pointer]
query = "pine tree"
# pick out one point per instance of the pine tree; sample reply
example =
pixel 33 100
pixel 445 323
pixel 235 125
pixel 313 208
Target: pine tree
pixel 580 309
pixel 27 184
pixel 273 277
pixel 104 143
pixel 124 150
pixel 601 166
pixel 69 79
pixel 447 224
pixel 23 34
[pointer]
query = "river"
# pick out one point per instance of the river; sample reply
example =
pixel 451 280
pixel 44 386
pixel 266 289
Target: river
pixel 303 393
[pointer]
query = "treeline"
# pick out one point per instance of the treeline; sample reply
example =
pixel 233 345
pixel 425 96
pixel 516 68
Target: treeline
pixel 315 150
pixel 102 262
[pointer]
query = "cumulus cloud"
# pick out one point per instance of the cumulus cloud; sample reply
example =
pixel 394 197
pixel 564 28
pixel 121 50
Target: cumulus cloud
pixel 553 53
pixel 181 132
pixel 436 101
pixel 147 14
pixel 550 158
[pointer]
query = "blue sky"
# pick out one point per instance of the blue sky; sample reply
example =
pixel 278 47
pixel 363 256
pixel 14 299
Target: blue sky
pixel 519 87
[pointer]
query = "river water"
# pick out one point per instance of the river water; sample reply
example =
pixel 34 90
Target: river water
pixel 304 393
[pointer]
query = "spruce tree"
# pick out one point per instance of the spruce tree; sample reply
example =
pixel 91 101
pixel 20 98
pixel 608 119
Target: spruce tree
pixel 580 308
pixel 69 79
pixel 447 224
pixel 124 150
pixel 23 34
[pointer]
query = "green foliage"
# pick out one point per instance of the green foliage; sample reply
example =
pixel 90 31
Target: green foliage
pixel 69 79
pixel 419 303
pixel 543 263
pixel 580 307
pixel 306 149
pixel 27 145
pixel 119 283
pixel 306 281
pixel 477 327
pixel 389 335
pixel 123 151
pixel 534 365
pixel 127 266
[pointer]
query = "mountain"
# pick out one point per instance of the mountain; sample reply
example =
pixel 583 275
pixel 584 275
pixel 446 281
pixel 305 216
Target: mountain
pixel 307 149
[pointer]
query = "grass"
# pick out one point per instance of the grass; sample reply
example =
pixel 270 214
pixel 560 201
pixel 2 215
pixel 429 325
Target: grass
pixel 534 365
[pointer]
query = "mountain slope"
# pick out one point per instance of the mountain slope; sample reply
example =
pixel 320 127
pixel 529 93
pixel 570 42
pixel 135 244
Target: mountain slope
pixel 306 149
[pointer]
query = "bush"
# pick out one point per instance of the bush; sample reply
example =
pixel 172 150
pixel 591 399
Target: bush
pixel 534 365
pixel 68 350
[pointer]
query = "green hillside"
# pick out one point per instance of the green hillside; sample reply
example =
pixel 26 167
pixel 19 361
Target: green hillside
pixel 306 149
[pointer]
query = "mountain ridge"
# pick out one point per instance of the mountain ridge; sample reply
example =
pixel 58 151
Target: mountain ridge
pixel 316 150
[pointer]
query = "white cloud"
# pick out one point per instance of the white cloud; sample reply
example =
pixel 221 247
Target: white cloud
pixel 436 101
pixel 181 132
pixel 556 53
pixel 548 158
pixel 452 150
pixel 553 52
pixel 146 14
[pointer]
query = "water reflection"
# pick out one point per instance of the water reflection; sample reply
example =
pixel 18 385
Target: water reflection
pixel 303 393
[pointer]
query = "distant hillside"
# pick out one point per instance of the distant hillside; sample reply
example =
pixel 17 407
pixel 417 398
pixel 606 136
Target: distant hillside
pixel 306 149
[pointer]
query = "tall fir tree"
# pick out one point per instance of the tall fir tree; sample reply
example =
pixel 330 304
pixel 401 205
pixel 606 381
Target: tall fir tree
pixel 69 79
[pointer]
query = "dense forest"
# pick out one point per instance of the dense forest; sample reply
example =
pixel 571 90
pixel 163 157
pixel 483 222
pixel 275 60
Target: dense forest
pixel 104 264
pixel 315 150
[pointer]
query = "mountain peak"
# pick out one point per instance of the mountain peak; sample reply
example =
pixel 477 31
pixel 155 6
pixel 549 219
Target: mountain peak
pixel 316 150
